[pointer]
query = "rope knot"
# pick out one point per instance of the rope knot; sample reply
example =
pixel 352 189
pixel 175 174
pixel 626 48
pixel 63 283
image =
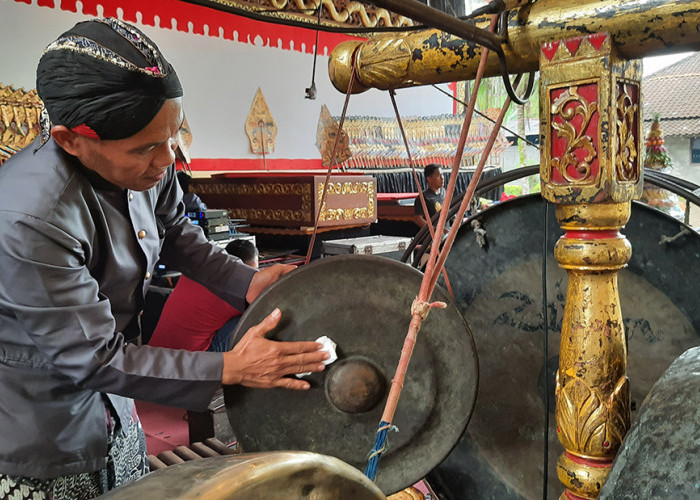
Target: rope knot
pixel 422 308
pixel 479 232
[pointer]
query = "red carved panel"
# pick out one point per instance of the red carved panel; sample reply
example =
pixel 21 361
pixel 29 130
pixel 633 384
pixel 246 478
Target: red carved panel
pixel 574 118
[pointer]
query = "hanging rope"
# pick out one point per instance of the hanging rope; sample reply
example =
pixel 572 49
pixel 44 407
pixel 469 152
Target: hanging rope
pixel 426 215
pixel 332 160
pixel 466 200
pixel 431 278
pixel 422 304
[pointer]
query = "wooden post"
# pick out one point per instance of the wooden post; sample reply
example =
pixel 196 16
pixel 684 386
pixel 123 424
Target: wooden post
pixel 590 128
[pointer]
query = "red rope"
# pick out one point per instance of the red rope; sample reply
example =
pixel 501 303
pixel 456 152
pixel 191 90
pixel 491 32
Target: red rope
pixel 332 160
pixel 425 293
pixel 421 306
pixel 469 194
pixel 426 215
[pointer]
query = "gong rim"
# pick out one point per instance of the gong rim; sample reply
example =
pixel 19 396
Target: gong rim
pixel 272 476
pixel 375 294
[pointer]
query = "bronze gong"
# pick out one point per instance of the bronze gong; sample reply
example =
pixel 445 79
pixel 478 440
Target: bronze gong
pixel 268 476
pixel 660 457
pixel 498 287
pixel 363 304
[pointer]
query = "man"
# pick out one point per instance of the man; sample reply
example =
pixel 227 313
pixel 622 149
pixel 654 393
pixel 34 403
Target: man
pixel 195 319
pixel 84 217
pixel 433 195
pixel 193 203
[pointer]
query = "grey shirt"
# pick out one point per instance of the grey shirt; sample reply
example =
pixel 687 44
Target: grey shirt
pixel 76 255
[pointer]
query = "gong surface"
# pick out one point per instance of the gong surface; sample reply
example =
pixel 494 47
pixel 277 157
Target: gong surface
pixel 363 304
pixel 268 476
pixel 660 457
pixel 499 290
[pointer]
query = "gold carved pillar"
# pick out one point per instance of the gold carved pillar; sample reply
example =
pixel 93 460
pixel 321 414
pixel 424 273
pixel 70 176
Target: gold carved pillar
pixel 590 127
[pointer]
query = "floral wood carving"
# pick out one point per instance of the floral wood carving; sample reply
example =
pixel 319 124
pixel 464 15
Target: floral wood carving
pixel 568 106
pixel 626 160
pixel 19 119
pixel 385 61
pixel 588 423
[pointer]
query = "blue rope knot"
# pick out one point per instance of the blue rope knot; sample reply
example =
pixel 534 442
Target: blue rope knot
pixel 381 443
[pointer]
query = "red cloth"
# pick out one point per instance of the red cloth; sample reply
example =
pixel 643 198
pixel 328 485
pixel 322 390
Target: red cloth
pixel 191 317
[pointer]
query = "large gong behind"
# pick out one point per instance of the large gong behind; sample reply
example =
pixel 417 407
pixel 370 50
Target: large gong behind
pixel 498 287
pixel 363 304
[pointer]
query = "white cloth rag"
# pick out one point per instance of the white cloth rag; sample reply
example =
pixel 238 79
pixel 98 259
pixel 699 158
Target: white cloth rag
pixel 329 347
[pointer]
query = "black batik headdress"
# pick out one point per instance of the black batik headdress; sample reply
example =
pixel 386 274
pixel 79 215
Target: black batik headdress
pixel 104 79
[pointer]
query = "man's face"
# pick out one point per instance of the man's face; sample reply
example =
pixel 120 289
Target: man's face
pixel 435 180
pixel 138 162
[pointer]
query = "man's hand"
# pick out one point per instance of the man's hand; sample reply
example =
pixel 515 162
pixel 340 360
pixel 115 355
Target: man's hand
pixel 264 278
pixel 262 363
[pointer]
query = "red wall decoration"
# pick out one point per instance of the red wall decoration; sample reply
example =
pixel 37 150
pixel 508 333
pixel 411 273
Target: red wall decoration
pixel 205 21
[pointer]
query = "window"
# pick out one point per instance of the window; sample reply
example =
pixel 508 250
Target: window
pixel 695 150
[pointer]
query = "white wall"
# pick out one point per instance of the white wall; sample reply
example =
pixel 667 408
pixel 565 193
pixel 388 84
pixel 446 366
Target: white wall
pixel 220 78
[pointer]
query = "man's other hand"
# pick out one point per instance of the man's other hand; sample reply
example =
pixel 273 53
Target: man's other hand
pixel 264 278
pixel 262 363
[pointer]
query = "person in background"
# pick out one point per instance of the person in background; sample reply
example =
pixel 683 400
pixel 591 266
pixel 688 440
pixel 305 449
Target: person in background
pixel 434 194
pixel 194 318
pixel 193 203
pixel 86 212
